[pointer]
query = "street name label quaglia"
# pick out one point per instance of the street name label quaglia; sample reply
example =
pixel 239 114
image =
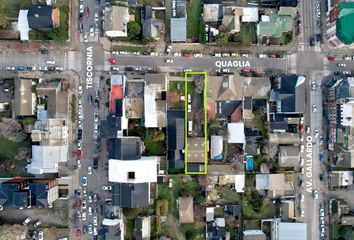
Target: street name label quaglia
pixel 236 63
pixel 89 54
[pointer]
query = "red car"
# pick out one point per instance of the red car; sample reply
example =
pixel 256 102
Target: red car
pixel 86 12
pixel 301 127
pixel 331 58
pixel 78 154
pixel 112 61
pixel 246 70
pixel 78 233
pixel 78 203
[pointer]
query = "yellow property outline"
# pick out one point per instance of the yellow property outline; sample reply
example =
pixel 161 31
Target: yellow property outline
pixel 205 92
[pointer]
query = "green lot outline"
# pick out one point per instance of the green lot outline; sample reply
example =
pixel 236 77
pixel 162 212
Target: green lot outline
pixel 205 92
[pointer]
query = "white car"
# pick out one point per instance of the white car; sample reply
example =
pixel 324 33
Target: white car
pixel 168 49
pixel 189 98
pixel 78 162
pixel 81 8
pixel 83 216
pixel 59 68
pixel 314 108
pixel 95 221
pixel 302 213
pixel 90 211
pixel 40 235
pixel 169 60
pixel 225 55
pixel 10 68
pixel 189 108
pixel 80 91
pixel 78 145
pixel 347 58
pixel 83 204
pixel 96 17
pixel 89 170
pixel 302 197
pixel 198 55
pixel 315 194
pixel 85 38
pixel 95 231
pixel 42 68
pixel 341 65
pixel 154 54
pixel 187 70
pixel 90 198
pixel 50 62
pixel 177 54
pixel 302 148
pixel 170 183
pixel 217 55
pixel 316 133
pixel 37 224
pixel 92 31
pixel 27 220
pixel 90 229
pixel 302 171
pixel 84 192
pixel 301 162
pixel 107 188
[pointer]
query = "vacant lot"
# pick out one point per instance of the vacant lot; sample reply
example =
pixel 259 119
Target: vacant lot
pixel 194 9
pixel 175 91
pixel 247 35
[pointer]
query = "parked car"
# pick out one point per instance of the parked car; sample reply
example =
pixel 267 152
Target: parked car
pixel 107 188
pixel 96 17
pixel 90 229
pixel 92 31
pixel 83 205
pixel 198 55
pixel 26 221
pixel 50 62
pixel 168 49
pixel 347 58
pixel 82 8
pixel 187 70
pixel 169 60
pixel 41 235
pixel 84 181
pixel 89 170
pixel 315 194
pixel 37 224
pixel 95 221
pixel 341 65
pixel 86 12
pixel 314 108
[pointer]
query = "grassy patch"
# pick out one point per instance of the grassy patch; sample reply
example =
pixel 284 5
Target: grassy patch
pixel 335 231
pixel 257 161
pixel 191 232
pixel 247 35
pixel 283 40
pixel 8 149
pixel 194 11
pixel 12 8
pixel 130 48
pixel 259 122
pixel 219 212
pixel 160 14
pixel 250 224
pixel 129 228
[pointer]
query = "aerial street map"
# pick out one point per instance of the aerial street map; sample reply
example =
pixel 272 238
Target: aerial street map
pixel 176 119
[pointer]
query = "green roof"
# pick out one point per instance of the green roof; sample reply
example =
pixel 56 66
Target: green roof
pixel 344 24
pixel 276 26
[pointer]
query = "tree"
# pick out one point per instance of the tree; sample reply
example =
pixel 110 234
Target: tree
pixel 133 29
pixel 4 20
pixel 346 232
pixel 59 34
pixel 221 40
pixel 201 32
pixel 159 136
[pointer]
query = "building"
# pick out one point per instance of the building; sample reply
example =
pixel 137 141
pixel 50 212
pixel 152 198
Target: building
pixel 43 18
pixel 233 17
pixel 254 235
pixel 339 32
pixel 216 147
pixel 275 184
pixel 185 210
pixel 152 28
pixel 196 150
pixel 26 193
pixel 341 179
pixel 289 156
pixel 216 229
pixel 287 209
pixel 287 102
pixel 46 159
pixel 178 28
pixel 115 21
pixel 155 100
pixel 175 138
pixel 212 11
pixel 288 230
pixel 51 132
pixel 130 173
pixel 236 133
pixel 347 220
pixel 274 25
pixel 142 229
pixel 25 99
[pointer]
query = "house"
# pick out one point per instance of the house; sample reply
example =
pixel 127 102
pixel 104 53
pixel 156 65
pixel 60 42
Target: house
pixel 175 138
pixel 56 99
pixel 113 228
pixel 284 138
pixel 289 156
pixel 46 158
pixel 131 188
pixel 196 150
pixel 288 230
pixel 142 229
pixel 339 33
pixel 274 25
pixel 233 17
pixel 43 18
pixel 216 229
pixel 155 100
pixel 339 207
pixel 287 101
pixel 341 179
pixel 275 184
pixel 115 21
pixel 185 210
pixel 25 193
pixel 178 28
pixel 25 99
pixel 212 11
pixel 240 181
pixel 287 209
pixel 134 98
pixel 209 214
pixel 152 28
pixel 234 210
pixel 254 235
pixel 51 132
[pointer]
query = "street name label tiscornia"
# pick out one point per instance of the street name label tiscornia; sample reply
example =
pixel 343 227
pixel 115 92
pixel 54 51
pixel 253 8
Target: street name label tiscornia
pixel 236 63
pixel 89 54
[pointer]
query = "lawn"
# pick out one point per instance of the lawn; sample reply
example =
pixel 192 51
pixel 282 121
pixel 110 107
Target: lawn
pixel 228 196
pixel 12 7
pixel 335 231
pixel 170 194
pixel 160 14
pixel 175 91
pixel 130 48
pixel 283 40
pixel 247 35
pixel 194 11
pixel 267 210
pixel 8 149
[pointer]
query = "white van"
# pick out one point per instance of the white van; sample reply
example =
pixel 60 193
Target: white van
pixel 190 127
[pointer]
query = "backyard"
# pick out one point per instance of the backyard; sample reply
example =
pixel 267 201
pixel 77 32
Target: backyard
pixel 283 40
pixel 194 11
pixel 175 91
pixel 247 35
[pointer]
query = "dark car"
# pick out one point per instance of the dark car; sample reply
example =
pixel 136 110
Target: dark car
pixel 337 73
pixel 85 229
pixel 321 177
pixel 21 68
pixel 51 68
pixel 79 134
pixel 81 27
pixel 312 41
pixel 81 17
pixel 129 69
pixel 95 163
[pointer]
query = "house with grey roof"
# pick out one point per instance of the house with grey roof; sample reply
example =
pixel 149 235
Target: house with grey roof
pixel 152 27
pixel 288 230
pixel 178 28
pixel 175 138
pixel 130 173
pixel 254 235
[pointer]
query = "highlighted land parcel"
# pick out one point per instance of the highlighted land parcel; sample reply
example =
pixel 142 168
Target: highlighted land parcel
pixel 195 123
